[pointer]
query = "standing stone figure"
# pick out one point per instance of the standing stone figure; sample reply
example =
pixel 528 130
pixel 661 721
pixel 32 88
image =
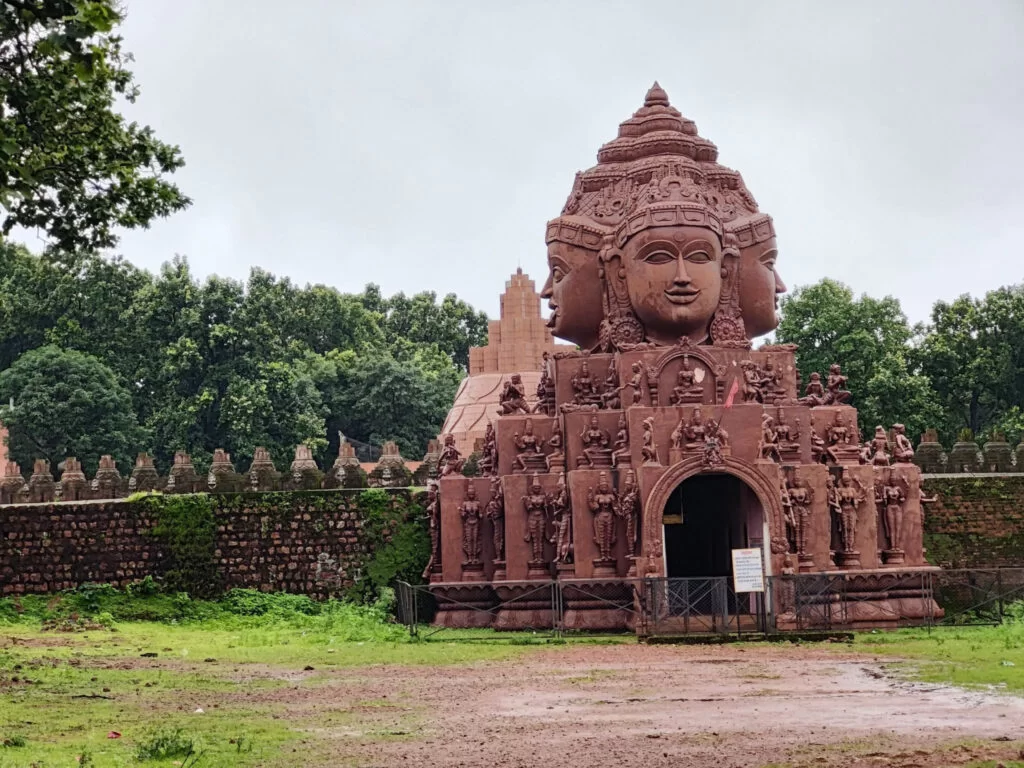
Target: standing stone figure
pixel 649 446
pixel 890 496
pixel 489 455
pixel 768 445
pixel 434 523
pixel 556 459
pixel 603 504
pixel 851 495
pixel 561 512
pixel 629 510
pixel 621 448
pixel 536 505
pixel 470 513
pixel 496 514
pixel 636 383
pixel 801 497
pixel 788 517
pixel 751 383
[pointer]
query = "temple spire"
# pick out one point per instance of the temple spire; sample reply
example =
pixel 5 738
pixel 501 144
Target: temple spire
pixel 656 96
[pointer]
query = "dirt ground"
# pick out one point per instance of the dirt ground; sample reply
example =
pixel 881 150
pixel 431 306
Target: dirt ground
pixel 721 706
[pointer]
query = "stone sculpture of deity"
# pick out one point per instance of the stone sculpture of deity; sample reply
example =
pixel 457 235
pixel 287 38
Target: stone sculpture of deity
pixel 636 383
pixel 850 495
pixel 768 444
pixel 556 459
pixel 695 432
pixel 649 444
pixel 536 505
pixel 842 442
pixel 585 391
pixel 834 392
pixel 611 394
pixel 597 450
pixel 903 451
pixel 620 451
pixel 800 498
pixel 513 396
pixel 603 503
pixel 815 393
pixel 561 514
pixel 489 454
pixel 687 389
pixel 752 381
pixel 496 514
pixel 716 440
pixel 879 448
pixel 529 450
pixel 450 461
pixel 470 511
pixel 629 511
pixel 434 526
pixel 890 496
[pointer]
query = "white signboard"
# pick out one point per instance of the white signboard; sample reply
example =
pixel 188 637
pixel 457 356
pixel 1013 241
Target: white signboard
pixel 747 570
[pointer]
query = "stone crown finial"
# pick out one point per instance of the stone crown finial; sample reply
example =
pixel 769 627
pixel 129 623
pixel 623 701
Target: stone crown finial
pixel 656 96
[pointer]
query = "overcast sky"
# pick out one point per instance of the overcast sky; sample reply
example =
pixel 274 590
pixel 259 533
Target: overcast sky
pixel 423 145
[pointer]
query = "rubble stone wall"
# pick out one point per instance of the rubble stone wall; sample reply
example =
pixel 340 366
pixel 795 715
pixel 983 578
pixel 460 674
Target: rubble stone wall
pixel 976 522
pixel 318 543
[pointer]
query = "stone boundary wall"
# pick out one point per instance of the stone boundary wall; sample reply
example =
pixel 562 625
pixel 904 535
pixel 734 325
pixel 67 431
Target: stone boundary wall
pixel 977 521
pixel 317 543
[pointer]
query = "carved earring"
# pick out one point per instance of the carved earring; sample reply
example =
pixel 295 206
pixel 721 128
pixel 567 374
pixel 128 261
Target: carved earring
pixel 622 273
pixel 725 272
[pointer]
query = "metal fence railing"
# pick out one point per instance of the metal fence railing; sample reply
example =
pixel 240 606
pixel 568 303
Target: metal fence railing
pixel 813 602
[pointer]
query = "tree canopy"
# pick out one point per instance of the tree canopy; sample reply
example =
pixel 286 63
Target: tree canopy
pixel 225 364
pixel 70 164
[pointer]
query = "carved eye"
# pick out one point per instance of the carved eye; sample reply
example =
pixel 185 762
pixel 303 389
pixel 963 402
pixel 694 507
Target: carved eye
pixel 557 274
pixel 699 257
pixel 659 257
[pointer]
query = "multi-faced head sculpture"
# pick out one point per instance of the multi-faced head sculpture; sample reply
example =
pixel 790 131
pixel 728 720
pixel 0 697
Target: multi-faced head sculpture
pixel 658 241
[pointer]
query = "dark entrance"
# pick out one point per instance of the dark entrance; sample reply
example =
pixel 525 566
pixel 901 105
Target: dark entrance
pixel 718 513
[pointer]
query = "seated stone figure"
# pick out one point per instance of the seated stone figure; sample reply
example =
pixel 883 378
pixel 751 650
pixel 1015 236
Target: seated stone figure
pixel 815 392
pixel 834 392
pixel 513 396
pixel 597 450
pixel 529 451
pixel 687 390
pixel 584 389
pixel 842 445
pixel 903 451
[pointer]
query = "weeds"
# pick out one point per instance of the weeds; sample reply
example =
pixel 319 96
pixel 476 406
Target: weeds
pixel 166 744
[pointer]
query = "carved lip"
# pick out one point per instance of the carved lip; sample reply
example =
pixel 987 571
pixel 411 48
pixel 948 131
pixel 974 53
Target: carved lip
pixel 683 296
pixel 553 318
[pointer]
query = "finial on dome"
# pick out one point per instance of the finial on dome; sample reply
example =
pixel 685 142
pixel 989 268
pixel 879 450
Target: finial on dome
pixel 656 96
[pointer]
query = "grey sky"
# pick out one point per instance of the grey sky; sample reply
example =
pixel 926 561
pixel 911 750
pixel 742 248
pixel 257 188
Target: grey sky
pixel 423 145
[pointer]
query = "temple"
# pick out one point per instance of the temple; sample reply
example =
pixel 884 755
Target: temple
pixel 663 441
pixel 515 342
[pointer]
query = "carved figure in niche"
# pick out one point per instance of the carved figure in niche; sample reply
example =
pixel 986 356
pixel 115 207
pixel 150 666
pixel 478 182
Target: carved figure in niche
pixel 842 442
pixel 556 459
pixel 596 445
pixel 751 383
pixel 434 524
pixel 788 517
pixel 603 504
pixel 818 446
pixel 834 392
pixel 890 496
pixel 584 388
pixel 629 510
pixel 574 289
pixel 687 388
pixel 489 455
pixel 621 447
pixel 835 509
pixel 695 432
pixel 536 506
pixel 800 499
pixel 677 439
pixel 513 396
pixel 611 396
pixel 496 514
pixel 850 495
pixel 636 383
pixel 649 446
pixel 814 395
pixel 716 440
pixel 529 452
pixel 788 436
pixel 561 513
pixel 768 445
pixel 880 448
pixel 450 461
pixel 771 383
pixel 545 387
pixel 470 513
pixel 903 452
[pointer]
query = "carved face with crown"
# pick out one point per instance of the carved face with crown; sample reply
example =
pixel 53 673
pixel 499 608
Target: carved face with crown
pixel 574 289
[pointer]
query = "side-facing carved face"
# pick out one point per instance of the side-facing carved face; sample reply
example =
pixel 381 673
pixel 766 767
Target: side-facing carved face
pixel 760 286
pixel 674 280
pixel 574 292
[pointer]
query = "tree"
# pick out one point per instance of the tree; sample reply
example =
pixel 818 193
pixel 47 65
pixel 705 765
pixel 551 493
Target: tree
pixel 71 165
pixel 67 404
pixel 973 351
pixel 871 339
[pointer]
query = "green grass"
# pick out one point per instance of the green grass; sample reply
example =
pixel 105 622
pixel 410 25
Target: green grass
pixel 963 656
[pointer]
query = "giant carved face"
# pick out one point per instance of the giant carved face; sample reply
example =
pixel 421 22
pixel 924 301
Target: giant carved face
pixel 760 286
pixel 674 280
pixel 574 292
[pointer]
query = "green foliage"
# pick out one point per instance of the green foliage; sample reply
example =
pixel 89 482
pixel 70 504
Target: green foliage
pixel 67 404
pixel 166 744
pixel 396 535
pixel 70 165
pixel 187 527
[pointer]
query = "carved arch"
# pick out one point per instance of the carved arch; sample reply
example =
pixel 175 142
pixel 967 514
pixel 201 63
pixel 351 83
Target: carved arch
pixel 686 350
pixel 763 487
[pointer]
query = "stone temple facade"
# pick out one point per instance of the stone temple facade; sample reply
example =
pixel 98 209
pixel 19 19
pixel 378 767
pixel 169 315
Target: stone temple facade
pixel 515 342
pixel 664 441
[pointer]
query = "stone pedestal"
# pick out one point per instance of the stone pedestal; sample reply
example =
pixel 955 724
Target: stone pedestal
pixel 499 571
pixel 473 572
pixel 849 559
pixel 604 568
pixel 537 571
pixel 806 563
pixel 565 570
pixel 894 557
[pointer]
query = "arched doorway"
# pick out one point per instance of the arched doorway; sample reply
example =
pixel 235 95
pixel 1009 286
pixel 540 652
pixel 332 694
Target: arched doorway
pixel 707 516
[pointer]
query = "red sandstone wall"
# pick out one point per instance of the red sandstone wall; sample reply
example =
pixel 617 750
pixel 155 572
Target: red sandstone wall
pixel 977 522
